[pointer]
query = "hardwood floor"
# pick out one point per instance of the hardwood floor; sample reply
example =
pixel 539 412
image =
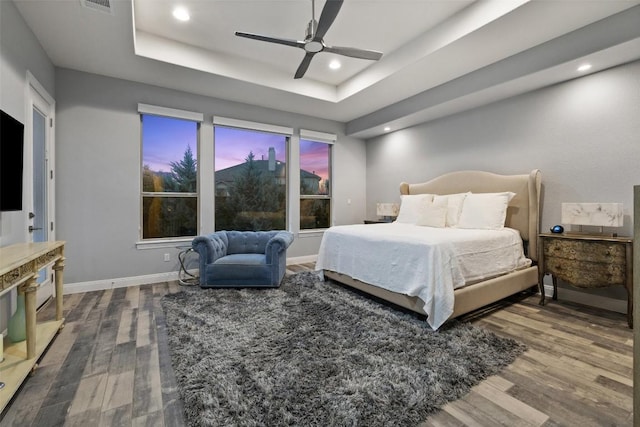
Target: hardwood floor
pixel 110 366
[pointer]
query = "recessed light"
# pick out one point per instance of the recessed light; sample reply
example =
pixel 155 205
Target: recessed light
pixel 584 67
pixel 335 64
pixel 387 129
pixel 181 14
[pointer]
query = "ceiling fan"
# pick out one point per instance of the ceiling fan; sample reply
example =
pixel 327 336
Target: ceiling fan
pixel 313 42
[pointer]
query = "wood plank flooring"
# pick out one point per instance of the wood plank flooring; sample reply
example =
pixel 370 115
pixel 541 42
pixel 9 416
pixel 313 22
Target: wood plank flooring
pixel 110 366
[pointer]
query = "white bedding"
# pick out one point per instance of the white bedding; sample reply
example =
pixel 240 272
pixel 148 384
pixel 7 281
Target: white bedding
pixel 421 261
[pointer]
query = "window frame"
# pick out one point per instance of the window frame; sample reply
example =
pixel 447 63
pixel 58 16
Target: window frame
pixel 326 138
pixel 286 132
pixel 171 113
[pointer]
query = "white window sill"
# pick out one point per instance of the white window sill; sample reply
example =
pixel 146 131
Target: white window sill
pixel 165 243
pixel 311 233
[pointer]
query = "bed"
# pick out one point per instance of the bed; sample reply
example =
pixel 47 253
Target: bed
pixel 349 255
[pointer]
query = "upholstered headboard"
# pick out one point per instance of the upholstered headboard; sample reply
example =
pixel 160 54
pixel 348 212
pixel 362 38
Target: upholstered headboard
pixel 523 211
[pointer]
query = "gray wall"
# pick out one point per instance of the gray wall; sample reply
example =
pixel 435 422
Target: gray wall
pixel 98 171
pixel 584 135
pixel 19 52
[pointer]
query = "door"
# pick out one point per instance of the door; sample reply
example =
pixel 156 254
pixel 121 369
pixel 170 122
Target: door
pixel 40 202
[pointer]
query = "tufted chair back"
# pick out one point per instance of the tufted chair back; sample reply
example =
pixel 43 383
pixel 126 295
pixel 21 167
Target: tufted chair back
pixel 247 242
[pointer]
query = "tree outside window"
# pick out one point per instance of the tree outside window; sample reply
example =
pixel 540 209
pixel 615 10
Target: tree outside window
pixel 250 180
pixel 169 177
pixel 315 184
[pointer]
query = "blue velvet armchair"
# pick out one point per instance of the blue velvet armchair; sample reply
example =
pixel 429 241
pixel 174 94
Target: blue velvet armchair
pixel 230 259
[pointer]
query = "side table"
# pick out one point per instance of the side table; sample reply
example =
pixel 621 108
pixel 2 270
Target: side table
pixel 587 261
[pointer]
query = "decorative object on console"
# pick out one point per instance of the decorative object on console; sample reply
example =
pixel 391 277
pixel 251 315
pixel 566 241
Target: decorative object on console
pixel 387 211
pixel 594 214
pixel 17 327
pixel 557 229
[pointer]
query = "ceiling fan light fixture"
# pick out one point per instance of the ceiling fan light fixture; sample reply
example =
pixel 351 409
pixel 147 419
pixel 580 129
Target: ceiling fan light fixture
pixel 335 64
pixel 313 46
pixel 181 14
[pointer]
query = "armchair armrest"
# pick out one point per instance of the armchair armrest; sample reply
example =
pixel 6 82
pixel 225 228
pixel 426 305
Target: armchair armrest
pixel 209 248
pixel 278 244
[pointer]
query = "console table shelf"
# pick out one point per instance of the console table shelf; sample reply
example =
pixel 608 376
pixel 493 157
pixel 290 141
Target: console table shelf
pixel 19 266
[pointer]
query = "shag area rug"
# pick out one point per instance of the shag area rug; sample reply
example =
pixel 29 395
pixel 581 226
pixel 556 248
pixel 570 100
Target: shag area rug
pixel 312 353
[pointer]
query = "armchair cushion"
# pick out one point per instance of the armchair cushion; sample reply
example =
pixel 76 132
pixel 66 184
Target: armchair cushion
pixel 242 258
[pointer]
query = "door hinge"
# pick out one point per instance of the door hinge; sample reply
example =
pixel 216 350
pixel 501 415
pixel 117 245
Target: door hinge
pixel 50 122
pixel 51 174
pixel 51 226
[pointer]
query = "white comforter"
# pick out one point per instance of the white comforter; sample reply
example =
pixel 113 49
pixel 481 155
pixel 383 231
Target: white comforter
pixel 421 261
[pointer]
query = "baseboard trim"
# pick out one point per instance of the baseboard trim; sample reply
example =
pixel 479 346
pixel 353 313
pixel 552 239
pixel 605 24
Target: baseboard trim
pixel 598 301
pixel 302 259
pixel 122 282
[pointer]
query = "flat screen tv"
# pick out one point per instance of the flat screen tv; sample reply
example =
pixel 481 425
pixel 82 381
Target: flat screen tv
pixel 11 162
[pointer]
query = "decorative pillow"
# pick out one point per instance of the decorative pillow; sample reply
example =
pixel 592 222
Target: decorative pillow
pixel 454 206
pixel 411 206
pixel 434 215
pixel 486 211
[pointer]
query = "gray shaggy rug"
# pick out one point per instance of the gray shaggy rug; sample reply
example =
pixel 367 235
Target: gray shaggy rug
pixel 312 353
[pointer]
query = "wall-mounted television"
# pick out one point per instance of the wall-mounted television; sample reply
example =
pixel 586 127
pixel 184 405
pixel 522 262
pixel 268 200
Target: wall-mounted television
pixel 11 162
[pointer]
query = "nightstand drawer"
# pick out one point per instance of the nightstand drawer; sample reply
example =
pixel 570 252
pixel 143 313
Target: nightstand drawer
pixel 600 252
pixel 586 274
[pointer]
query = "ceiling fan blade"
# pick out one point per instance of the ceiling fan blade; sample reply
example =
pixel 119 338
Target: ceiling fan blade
pixel 354 52
pixel 286 42
pixel 304 65
pixel 328 15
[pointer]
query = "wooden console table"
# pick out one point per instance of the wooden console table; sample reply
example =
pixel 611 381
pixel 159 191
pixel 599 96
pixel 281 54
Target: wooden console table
pixel 587 261
pixel 19 266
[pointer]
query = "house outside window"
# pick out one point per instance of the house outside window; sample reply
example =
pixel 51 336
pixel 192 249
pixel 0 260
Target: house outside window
pixel 169 172
pixel 315 179
pixel 250 176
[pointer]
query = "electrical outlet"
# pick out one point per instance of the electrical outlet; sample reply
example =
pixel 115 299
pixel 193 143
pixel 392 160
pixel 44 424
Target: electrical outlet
pixel 167 257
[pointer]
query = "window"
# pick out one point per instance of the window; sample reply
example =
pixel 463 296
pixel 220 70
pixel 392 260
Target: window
pixel 169 173
pixel 315 179
pixel 250 177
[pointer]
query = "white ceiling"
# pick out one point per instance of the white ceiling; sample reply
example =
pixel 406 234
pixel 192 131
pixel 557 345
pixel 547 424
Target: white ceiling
pixel 440 56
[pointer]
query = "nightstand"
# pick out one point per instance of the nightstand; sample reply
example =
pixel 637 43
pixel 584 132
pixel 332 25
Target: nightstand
pixel 587 261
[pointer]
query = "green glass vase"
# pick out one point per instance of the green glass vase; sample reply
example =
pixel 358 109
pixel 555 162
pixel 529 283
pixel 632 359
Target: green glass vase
pixel 17 328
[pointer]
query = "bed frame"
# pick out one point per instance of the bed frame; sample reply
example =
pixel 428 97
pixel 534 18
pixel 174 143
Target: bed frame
pixel 522 215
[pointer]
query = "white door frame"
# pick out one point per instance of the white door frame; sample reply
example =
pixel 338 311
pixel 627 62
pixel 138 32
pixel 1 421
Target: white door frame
pixel 38 98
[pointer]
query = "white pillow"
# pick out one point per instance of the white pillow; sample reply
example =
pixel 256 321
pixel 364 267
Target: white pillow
pixel 486 211
pixel 454 206
pixel 411 206
pixel 434 215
